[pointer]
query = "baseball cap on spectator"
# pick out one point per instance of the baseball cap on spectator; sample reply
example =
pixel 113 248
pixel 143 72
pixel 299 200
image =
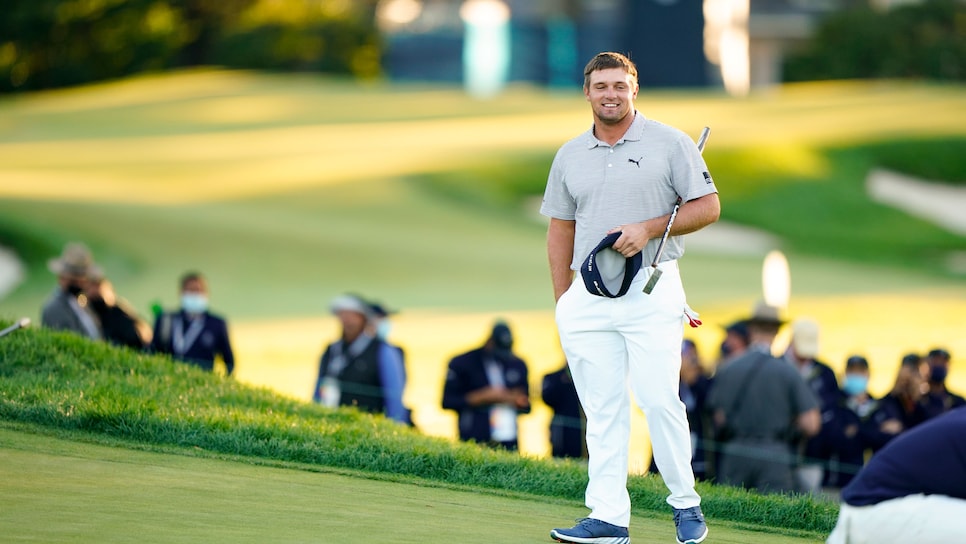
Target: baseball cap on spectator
pixel 592 275
pixel 805 338
pixel 938 353
pixel 501 336
pixel 856 362
pixel 739 328
pixel 379 310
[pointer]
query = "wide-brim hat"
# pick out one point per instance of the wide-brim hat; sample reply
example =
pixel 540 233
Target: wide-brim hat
pixel 590 270
pixel 75 260
pixel 351 303
pixel 765 314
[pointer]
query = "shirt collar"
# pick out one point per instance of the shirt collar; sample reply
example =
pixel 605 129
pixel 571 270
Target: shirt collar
pixel 633 134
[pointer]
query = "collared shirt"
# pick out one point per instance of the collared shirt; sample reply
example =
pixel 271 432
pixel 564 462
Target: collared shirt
pixel 638 178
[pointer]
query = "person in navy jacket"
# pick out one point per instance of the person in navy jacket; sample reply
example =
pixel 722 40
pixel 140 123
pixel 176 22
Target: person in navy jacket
pixel 488 388
pixel 912 490
pixel 568 425
pixel 193 334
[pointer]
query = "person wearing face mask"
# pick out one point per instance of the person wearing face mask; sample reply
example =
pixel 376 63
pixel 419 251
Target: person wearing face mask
pixel 379 327
pixel 851 428
pixel 488 388
pixel 193 334
pixel 939 400
pixel 901 409
pixel 67 308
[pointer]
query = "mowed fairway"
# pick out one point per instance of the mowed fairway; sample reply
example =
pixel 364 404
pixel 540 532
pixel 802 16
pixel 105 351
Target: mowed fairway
pixel 288 190
pixel 59 491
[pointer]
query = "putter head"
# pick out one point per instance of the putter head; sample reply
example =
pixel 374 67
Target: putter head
pixel 652 281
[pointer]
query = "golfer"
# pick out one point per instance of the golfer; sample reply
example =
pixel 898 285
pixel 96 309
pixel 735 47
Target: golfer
pixel 625 175
pixel 912 490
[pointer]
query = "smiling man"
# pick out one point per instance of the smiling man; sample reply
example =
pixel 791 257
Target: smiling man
pixel 624 176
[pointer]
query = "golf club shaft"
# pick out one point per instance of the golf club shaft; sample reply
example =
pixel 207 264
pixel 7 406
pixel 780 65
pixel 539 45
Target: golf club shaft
pixel 656 272
pixel 23 322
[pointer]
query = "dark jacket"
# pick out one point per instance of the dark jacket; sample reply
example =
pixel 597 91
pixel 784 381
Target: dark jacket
pixel 212 340
pixel 567 427
pixel 57 314
pixel 467 373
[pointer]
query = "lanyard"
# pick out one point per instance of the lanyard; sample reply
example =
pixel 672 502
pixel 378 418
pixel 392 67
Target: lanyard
pixel 183 340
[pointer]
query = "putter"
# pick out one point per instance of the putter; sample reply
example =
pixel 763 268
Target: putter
pixel 655 271
pixel 22 323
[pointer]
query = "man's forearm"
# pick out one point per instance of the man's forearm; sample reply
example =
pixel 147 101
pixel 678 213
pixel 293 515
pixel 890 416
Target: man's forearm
pixel 560 251
pixel 696 214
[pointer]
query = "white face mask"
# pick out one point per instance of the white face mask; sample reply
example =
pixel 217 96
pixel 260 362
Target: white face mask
pixel 194 303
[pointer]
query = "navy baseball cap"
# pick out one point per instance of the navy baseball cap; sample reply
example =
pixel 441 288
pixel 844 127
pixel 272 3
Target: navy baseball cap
pixel 590 271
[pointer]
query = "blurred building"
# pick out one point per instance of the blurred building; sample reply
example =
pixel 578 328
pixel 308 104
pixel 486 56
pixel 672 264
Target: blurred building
pixel 737 44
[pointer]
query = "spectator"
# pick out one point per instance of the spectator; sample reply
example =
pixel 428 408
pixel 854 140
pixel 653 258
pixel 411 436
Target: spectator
pixel 901 408
pixel 67 308
pixel 488 388
pixel 813 452
pixel 121 324
pixel 568 425
pixel 379 326
pixel 358 369
pixel 735 342
pixel 192 334
pixel 850 430
pixel 761 402
pixel 938 399
pixel 913 490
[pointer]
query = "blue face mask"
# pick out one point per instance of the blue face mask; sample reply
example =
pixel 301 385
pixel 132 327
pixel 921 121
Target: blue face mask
pixel 194 303
pixel 383 328
pixel 855 384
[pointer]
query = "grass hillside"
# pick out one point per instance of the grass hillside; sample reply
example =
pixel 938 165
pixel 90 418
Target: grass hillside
pixel 59 385
pixel 288 190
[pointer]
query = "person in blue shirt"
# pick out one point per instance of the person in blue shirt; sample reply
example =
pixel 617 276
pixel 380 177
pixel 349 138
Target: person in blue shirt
pixel 193 334
pixel 913 490
pixel 358 369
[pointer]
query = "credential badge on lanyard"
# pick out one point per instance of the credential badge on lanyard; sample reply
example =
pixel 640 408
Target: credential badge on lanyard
pixel 183 340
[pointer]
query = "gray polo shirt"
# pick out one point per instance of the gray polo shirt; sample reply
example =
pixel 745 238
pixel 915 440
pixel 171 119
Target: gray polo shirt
pixel 639 178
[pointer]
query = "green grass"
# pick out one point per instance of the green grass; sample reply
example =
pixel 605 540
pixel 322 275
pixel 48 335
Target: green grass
pixel 61 383
pixel 80 490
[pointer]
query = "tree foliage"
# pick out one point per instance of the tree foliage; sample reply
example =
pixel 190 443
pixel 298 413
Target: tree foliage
pixel 915 41
pixel 57 43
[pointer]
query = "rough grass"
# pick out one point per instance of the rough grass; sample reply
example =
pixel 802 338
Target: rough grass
pixel 58 381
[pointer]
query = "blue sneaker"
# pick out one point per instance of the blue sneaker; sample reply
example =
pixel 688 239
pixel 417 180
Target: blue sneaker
pixel 592 531
pixel 690 525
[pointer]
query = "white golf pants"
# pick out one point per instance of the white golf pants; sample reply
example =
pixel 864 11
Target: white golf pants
pixel 923 519
pixel 617 346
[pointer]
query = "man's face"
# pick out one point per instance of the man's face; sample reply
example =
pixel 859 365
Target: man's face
pixel 611 93
pixel 353 323
pixel 195 286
